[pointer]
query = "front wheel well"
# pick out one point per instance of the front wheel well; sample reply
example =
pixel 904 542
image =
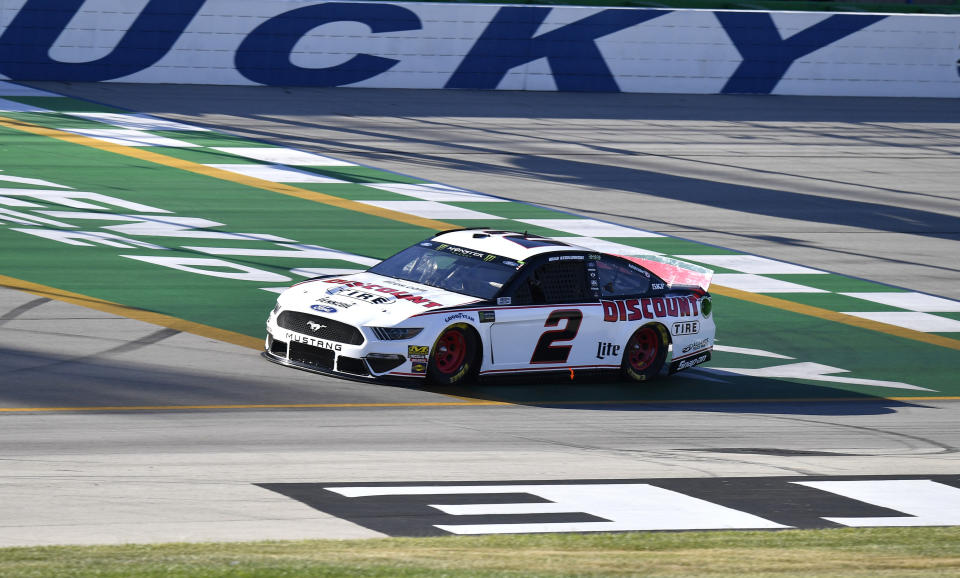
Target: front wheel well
pixel 478 354
pixel 456 355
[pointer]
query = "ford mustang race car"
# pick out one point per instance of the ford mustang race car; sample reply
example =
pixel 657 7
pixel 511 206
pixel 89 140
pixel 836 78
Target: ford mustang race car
pixel 480 302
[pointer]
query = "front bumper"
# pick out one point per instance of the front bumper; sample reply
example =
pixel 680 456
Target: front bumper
pixel 329 358
pixel 358 362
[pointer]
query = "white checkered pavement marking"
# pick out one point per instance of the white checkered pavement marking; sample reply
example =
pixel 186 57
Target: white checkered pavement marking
pixel 13 106
pixel 606 246
pixel 588 228
pixel 911 301
pixel 132 133
pixel 751 264
pixel 758 284
pixel 812 372
pixel 11 89
pixel 284 156
pixel 313 272
pixel 276 173
pixel 136 121
pixel 750 351
pixel 435 192
pixel 319 271
pixel 27 181
pixel 431 210
pixel 130 138
pixel 914 320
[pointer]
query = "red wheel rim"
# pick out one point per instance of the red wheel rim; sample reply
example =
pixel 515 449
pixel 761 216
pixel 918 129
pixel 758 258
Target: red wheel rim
pixel 451 351
pixel 642 349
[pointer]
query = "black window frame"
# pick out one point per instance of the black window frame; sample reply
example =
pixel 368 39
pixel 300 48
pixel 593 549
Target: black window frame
pixel 523 274
pixel 626 263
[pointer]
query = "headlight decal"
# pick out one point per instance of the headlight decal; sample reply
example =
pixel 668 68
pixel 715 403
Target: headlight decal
pixel 396 333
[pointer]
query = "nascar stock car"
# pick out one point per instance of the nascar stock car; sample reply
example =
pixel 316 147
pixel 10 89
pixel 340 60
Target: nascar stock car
pixel 480 302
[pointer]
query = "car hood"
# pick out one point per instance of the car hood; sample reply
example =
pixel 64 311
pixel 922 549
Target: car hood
pixel 368 298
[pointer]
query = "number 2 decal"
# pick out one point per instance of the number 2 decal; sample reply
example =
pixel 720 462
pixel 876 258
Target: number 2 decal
pixel 546 351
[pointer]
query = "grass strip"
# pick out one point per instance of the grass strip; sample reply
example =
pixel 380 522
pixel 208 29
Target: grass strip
pixel 808 553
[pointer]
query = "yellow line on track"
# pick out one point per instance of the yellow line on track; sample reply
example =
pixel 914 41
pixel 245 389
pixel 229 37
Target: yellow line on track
pixel 474 403
pixel 132 313
pixel 843 318
pixel 145 155
pixel 331 200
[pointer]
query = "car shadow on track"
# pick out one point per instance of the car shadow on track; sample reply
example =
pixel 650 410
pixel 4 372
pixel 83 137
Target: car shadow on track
pixel 732 394
pixel 118 379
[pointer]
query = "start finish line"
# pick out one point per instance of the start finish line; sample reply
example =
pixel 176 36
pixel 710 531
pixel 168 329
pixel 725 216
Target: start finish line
pixel 637 505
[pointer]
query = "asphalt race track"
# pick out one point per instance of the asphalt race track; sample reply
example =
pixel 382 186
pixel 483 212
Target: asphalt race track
pixel 201 440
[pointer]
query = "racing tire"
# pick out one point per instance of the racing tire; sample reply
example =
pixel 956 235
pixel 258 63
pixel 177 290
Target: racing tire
pixel 453 359
pixel 644 354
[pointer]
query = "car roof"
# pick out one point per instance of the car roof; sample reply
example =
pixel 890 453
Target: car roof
pixel 522 247
pixel 511 244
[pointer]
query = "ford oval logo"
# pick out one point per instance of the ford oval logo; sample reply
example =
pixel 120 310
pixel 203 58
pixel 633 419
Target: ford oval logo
pixel 323 308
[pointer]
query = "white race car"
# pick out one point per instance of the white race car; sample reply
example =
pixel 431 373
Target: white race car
pixel 479 302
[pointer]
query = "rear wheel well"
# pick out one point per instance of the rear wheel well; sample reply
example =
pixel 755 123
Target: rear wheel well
pixel 645 352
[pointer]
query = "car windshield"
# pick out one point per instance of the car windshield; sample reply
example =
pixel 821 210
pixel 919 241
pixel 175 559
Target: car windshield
pixel 449 267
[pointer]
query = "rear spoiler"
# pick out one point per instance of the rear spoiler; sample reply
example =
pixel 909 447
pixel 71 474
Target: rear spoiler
pixel 674 271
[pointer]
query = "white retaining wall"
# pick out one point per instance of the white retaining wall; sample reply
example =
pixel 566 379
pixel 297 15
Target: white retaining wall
pixel 420 45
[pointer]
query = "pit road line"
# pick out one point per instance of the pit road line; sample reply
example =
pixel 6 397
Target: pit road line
pixel 331 200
